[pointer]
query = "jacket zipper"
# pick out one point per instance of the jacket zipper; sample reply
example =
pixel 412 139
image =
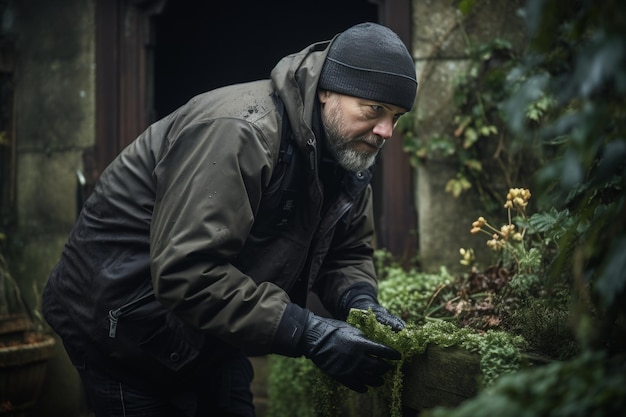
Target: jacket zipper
pixel 312 162
pixel 115 314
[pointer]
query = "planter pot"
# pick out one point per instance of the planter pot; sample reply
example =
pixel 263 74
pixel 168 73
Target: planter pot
pixel 23 361
pixel 448 376
pixel 14 324
pixel 441 377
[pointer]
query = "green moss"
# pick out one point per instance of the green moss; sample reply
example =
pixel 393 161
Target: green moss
pixel 297 387
pixel 409 294
pixel 289 387
pixel 499 351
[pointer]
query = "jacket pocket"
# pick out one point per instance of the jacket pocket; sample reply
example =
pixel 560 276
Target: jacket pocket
pixel 174 345
pixel 144 326
pixel 131 309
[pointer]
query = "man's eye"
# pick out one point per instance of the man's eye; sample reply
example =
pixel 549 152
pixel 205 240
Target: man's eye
pixel 376 108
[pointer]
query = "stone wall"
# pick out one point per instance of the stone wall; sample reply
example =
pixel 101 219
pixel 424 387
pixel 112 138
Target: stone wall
pixel 440 37
pixel 54 123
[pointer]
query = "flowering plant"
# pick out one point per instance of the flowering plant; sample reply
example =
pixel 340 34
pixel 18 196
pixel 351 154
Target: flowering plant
pixel 509 238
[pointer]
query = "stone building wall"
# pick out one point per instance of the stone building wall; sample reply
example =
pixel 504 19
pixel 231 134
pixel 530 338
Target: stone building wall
pixel 54 122
pixel 440 37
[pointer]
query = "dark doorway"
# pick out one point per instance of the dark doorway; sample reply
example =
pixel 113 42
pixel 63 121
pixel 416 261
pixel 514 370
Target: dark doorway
pixel 154 55
pixel 201 45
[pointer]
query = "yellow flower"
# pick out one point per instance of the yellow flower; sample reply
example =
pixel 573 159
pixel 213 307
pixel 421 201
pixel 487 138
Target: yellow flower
pixel 506 230
pixel 520 202
pixel 517 197
pixel 468 256
pixel 494 244
pixel 480 222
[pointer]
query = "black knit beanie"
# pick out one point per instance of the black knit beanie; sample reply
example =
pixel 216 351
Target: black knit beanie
pixel 370 61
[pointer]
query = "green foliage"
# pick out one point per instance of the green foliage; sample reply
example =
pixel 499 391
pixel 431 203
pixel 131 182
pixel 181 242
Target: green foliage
pixel 11 300
pixel 407 293
pixel 544 324
pixel 290 386
pixel 569 91
pixel 478 127
pixel 590 385
pixel 578 59
pixel 297 387
pixel 499 351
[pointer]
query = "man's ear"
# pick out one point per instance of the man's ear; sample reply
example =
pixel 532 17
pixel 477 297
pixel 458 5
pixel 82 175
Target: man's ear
pixel 323 95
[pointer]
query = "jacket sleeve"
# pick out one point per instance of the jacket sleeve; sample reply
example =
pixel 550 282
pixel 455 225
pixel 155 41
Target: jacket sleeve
pixel 349 263
pixel 209 183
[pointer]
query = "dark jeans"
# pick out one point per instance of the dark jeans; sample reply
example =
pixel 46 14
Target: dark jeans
pixel 221 392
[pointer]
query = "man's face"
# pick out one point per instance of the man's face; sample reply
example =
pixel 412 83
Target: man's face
pixel 356 128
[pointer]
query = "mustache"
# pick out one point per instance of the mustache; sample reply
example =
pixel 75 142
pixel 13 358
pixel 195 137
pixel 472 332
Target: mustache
pixel 376 141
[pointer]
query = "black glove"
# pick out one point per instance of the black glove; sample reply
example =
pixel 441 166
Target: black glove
pixel 382 314
pixel 340 350
pixel 363 297
pixel 344 353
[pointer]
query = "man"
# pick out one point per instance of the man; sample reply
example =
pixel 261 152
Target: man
pixel 204 237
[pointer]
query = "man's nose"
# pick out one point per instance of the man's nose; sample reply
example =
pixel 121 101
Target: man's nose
pixel 384 128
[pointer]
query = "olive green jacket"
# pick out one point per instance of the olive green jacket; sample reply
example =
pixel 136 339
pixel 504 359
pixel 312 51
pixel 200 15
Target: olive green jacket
pixel 192 211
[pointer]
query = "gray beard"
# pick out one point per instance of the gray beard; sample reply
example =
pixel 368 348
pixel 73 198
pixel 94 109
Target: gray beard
pixel 343 152
pixel 348 158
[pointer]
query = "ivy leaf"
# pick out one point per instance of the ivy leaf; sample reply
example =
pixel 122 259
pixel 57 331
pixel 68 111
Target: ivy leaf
pixel 612 280
pixel 572 171
pixel 612 161
pixel 600 63
pixel 463 123
pixel 458 185
pixel 470 137
pixel 466 6
pixel 488 130
pixel 474 165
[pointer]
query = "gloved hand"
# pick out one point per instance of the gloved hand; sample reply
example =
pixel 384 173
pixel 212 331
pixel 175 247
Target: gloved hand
pixel 340 350
pixel 362 296
pixel 343 352
pixel 382 314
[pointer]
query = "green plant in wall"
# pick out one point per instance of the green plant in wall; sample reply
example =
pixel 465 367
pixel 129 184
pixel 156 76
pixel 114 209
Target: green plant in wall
pixel 578 58
pixel 478 141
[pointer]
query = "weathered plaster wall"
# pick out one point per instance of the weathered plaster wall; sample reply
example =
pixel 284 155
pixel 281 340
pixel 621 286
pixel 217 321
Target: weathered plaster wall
pixel 439 42
pixel 55 117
